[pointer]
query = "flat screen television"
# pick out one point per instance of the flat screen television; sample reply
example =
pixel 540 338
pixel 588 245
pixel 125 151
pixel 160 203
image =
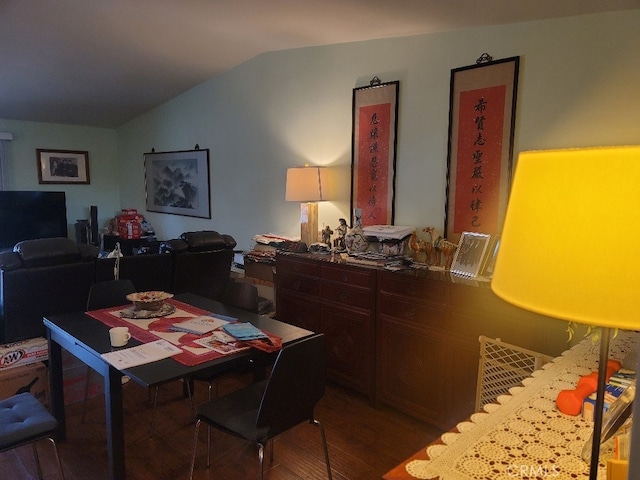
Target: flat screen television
pixel 29 215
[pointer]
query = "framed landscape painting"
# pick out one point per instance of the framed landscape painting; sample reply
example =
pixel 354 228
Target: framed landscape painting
pixel 178 183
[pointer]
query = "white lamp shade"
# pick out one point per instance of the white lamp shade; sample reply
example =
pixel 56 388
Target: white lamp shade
pixel 570 247
pixel 306 184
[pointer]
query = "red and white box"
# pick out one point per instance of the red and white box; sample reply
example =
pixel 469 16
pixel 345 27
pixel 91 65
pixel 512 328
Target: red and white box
pixel 23 353
pixel 129 224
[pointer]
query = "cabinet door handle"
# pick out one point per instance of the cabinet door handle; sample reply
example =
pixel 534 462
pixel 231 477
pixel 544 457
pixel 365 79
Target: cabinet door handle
pixel 411 313
pixel 411 291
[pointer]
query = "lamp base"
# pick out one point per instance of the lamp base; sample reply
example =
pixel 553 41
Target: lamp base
pixel 309 223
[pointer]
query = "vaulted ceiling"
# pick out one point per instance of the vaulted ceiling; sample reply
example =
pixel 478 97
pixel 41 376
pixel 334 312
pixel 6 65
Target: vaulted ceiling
pixel 104 62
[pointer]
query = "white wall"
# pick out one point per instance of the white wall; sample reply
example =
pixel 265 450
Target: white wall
pixel 578 87
pixel 104 175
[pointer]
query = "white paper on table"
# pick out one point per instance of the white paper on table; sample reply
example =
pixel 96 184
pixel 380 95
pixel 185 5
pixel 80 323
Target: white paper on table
pixel 141 354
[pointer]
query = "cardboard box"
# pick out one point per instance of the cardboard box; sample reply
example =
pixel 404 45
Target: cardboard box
pixel 612 392
pixel 23 353
pixel 130 224
pixel 30 378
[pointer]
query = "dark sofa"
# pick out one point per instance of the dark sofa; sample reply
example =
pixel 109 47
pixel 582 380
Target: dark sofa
pixel 53 275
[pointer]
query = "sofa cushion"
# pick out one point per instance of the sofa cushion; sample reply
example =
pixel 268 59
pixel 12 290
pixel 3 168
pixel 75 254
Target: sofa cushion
pixel 205 240
pixel 174 246
pixel 10 261
pixel 43 252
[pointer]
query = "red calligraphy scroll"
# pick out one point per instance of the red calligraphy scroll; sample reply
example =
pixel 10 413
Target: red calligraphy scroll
pixel 373 174
pixel 479 159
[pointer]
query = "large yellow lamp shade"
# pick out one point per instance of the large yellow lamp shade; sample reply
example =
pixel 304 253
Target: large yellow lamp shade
pixel 570 247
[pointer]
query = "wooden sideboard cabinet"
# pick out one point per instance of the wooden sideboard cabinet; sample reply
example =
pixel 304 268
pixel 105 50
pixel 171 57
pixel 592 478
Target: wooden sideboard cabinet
pixel 407 339
pixel 338 300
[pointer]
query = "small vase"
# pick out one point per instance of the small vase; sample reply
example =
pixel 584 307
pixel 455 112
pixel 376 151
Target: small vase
pixel 355 240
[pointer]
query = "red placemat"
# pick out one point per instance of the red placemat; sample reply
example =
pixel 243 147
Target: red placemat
pixel 151 329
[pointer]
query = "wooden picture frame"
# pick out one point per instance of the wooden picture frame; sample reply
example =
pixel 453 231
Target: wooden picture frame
pixel 62 166
pixel 489 261
pixel 470 254
pixel 373 152
pixel 178 183
pixel 482 112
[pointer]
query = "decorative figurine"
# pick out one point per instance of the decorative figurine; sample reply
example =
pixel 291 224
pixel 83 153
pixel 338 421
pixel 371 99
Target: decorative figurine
pixel 326 236
pixel 341 231
pixel 420 247
pixel 441 246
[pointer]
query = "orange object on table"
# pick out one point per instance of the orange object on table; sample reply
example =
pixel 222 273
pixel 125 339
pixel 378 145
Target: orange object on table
pixel 570 401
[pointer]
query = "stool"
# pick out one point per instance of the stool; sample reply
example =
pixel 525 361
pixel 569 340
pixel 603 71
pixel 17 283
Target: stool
pixel 24 420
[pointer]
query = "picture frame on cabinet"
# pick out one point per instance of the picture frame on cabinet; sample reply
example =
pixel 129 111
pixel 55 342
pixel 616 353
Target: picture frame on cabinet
pixel 482 113
pixel 489 261
pixel 62 166
pixel 178 182
pixel 470 254
pixel 373 152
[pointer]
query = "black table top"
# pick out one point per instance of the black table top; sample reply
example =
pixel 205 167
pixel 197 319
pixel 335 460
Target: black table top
pixel 79 330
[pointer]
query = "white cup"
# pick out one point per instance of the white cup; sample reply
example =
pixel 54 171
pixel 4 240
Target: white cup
pixel 119 336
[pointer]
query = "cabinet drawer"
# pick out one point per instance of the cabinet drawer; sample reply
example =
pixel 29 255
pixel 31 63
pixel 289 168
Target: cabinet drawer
pixel 426 316
pixel 354 276
pixel 299 283
pixel 412 288
pixel 349 296
pixel 298 310
pixel 286 264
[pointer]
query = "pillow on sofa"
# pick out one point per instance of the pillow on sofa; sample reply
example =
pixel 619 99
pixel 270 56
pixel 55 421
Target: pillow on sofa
pixel 10 261
pixel 43 252
pixel 206 240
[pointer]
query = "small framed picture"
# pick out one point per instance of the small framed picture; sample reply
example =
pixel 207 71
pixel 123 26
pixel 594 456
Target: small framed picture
pixel 490 258
pixel 62 166
pixel 470 254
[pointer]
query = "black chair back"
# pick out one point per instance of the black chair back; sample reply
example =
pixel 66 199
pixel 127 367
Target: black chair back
pixel 110 293
pixel 296 385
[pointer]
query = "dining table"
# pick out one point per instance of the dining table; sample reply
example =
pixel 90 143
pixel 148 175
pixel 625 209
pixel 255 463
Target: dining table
pixel 85 335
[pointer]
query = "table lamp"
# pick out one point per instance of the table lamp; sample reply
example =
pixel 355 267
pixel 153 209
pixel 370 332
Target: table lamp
pixel 307 185
pixel 570 247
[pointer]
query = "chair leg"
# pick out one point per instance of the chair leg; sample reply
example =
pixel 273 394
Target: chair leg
pixel 153 412
pixel 35 454
pixel 209 430
pixel 324 445
pixel 195 444
pixel 87 380
pixel 190 394
pixel 55 453
pixel 261 458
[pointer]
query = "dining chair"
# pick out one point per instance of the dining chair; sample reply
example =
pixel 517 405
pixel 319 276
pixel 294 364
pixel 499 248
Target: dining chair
pixel 113 293
pixel 237 294
pixel 266 409
pixel 110 293
pixel 24 420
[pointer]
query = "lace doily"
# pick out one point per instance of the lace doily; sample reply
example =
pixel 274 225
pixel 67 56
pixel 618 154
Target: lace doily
pixel 525 436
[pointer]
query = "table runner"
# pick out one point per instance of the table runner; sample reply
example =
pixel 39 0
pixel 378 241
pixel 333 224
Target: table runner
pixel 525 435
pixel 151 329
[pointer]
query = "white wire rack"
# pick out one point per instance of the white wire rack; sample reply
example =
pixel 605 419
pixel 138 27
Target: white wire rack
pixel 503 366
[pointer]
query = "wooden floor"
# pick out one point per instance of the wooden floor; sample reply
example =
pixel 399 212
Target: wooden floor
pixel 364 442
